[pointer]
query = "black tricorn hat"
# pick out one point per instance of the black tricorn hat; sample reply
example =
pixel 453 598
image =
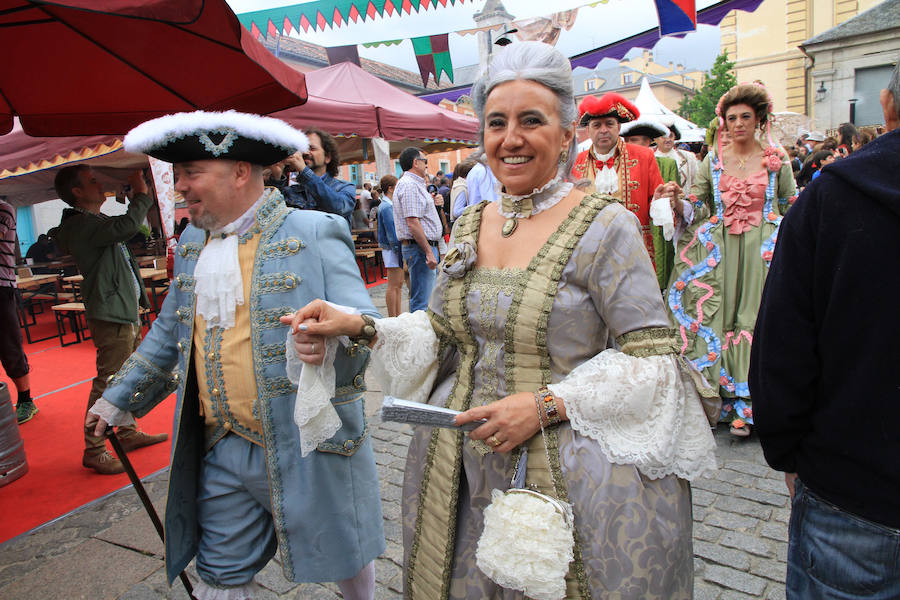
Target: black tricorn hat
pixel 230 135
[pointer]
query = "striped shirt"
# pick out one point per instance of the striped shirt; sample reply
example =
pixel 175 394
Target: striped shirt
pixel 411 199
pixel 7 245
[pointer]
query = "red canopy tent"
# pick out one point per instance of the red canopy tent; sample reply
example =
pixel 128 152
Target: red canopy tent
pixel 83 67
pixel 343 100
pixel 349 102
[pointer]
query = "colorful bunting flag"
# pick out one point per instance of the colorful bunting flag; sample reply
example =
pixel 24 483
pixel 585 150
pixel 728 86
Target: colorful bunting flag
pixel 338 54
pixel 332 13
pixel 433 56
pixel 676 16
pixel 382 43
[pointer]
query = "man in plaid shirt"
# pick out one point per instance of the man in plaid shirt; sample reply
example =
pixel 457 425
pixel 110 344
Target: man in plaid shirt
pixel 418 227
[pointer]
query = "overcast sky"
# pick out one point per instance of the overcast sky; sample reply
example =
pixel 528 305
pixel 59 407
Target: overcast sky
pixel 594 27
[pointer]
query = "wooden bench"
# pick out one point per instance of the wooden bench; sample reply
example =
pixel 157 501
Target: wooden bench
pixel 73 311
pixel 370 254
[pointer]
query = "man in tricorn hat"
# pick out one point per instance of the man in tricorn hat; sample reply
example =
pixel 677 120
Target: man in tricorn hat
pixel 613 167
pixel 642 132
pixel 259 463
pixel 684 159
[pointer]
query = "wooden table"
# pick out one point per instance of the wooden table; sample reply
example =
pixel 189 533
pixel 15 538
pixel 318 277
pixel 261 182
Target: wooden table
pixel 35 281
pixel 152 274
pixel 149 261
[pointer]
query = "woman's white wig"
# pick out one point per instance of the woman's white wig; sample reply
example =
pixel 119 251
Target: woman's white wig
pixel 531 61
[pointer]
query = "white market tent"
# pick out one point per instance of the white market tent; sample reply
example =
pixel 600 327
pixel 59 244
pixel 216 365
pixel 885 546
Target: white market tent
pixel 652 108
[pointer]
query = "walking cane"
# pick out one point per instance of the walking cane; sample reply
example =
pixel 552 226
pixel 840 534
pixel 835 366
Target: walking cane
pixel 145 499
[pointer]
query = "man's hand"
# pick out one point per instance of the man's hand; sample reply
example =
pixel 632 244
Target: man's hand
pixel 789 479
pixel 430 260
pixel 94 422
pixel 295 162
pixel 138 183
pixel 438 200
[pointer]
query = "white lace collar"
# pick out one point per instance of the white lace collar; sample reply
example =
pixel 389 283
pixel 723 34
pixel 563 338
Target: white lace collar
pixel 539 200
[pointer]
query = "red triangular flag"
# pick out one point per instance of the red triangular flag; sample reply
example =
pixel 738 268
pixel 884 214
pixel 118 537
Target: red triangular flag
pixel 389 7
pixel 354 13
pixel 287 26
pixel 407 6
pixel 320 20
pixel 304 23
pixel 254 30
pixel 273 31
pixel 337 19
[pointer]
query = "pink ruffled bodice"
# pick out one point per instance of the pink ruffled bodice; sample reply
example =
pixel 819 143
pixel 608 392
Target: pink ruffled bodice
pixel 744 200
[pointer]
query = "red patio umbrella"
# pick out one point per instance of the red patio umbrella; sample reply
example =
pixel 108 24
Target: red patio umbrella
pixel 87 67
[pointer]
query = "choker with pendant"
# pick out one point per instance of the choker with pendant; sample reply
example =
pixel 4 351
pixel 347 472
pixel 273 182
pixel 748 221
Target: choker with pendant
pixel 521 207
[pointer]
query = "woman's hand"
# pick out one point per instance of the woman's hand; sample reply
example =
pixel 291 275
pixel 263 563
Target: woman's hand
pixel 674 192
pixel 510 421
pixel 315 322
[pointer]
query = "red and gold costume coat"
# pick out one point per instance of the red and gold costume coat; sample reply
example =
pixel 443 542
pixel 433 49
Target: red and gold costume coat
pixel 638 179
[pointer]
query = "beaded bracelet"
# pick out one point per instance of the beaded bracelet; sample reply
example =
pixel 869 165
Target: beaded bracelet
pixel 548 401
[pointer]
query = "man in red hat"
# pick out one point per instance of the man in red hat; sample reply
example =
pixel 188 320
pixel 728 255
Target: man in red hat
pixel 613 167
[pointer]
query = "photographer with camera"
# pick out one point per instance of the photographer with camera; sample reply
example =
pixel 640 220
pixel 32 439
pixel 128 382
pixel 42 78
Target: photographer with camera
pixel 317 187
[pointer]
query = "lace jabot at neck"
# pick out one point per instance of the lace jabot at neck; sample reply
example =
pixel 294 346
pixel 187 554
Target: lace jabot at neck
pixel 539 200
pixel 604 157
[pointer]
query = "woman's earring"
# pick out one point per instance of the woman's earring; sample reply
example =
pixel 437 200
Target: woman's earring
pixel 563 157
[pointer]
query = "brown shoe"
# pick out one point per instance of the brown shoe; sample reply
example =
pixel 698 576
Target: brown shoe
pixel 139 439
pixel 104 463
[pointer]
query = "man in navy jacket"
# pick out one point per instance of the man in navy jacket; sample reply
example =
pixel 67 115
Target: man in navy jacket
pixel 825 372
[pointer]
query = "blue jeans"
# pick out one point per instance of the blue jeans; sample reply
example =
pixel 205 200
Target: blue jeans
pixel 421 278
pixel 835 555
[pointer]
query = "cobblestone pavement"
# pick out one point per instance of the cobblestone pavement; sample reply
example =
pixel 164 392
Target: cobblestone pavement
pixel 109 549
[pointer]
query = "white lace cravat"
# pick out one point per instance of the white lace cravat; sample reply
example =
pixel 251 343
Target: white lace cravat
pixel 218 282
pixel 607 180
pixel 219 285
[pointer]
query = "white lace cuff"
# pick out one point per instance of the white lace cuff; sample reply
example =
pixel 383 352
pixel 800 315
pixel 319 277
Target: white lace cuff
pixel 112 415
pixel 404 357
pixel 661 213
pixel 642 411
pixel 314 414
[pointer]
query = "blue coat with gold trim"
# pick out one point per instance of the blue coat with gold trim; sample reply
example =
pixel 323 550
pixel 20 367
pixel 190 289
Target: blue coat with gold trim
pixel 326 507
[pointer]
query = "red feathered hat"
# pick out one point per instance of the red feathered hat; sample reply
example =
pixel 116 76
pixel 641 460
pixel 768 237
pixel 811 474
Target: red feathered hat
pixel 609 105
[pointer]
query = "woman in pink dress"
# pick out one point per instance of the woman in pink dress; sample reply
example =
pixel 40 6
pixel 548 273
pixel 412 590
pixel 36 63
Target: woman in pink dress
pixel 722 259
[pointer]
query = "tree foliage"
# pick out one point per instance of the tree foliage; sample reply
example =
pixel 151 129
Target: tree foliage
pixel 701 107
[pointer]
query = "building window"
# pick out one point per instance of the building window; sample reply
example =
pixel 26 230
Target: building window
pixel 626 78
pixel 444 166
pixel 590 85
pixel 867 87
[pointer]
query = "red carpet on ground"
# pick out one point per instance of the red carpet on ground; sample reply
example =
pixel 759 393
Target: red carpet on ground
pixel 56 483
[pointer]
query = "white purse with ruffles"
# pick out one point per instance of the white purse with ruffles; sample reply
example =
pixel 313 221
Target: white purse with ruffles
pixel 528 539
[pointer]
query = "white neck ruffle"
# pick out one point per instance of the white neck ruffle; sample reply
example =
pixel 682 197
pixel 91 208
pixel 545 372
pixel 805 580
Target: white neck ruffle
pixel 542 198
pixel 607 179
pixel 219 285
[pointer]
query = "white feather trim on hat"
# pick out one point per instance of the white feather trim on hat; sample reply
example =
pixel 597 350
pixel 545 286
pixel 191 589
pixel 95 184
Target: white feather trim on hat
pixel 645 124
pixel 151 134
